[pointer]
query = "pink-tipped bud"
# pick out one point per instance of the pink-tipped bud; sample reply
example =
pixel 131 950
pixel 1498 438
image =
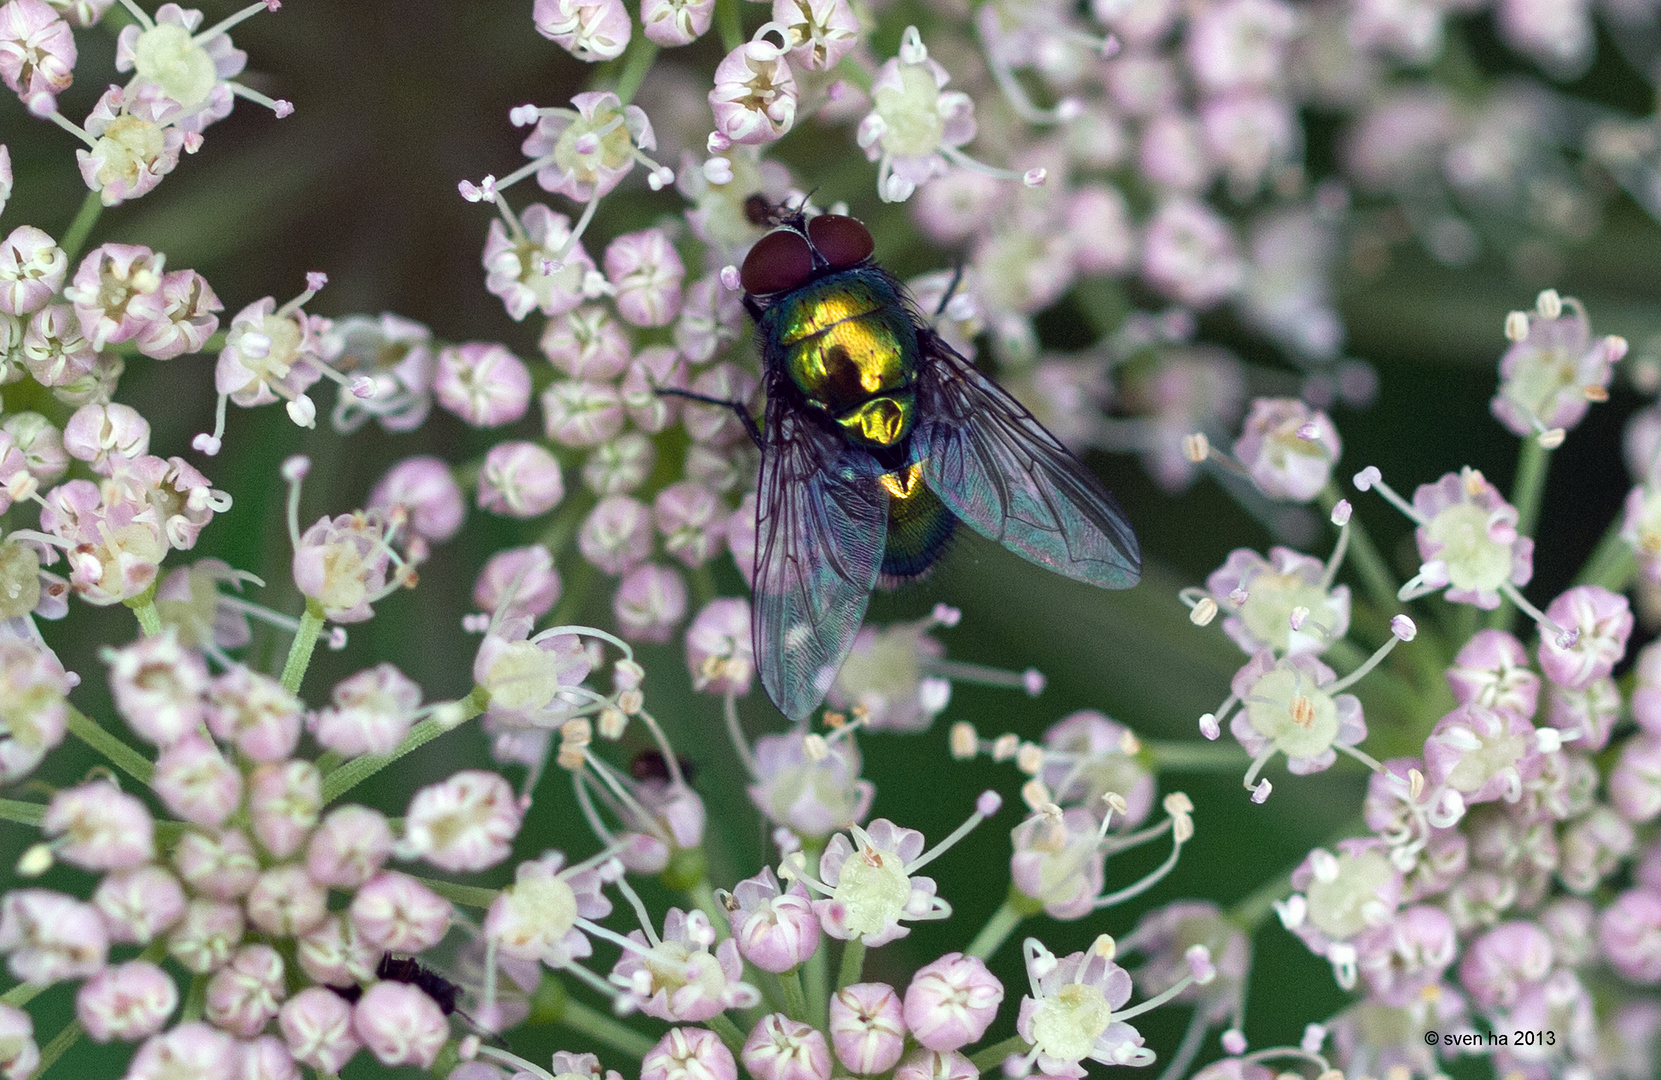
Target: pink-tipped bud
pixel 780 1048
pixel 317 1026
pixel 129 1002
pixel 400 1024
pixel 686 1053
pixel 867 1027
pixel 951 1002
pixel 936 1065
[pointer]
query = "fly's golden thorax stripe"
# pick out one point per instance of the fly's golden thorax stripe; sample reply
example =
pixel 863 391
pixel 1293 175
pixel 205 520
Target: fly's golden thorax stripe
pixel 819 312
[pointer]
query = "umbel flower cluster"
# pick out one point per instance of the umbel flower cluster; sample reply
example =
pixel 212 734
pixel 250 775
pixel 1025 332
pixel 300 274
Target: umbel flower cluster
pixel 211 904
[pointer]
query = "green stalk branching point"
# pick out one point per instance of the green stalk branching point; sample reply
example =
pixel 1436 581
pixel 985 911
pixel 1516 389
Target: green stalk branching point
pixel 356 771
pixel 144 606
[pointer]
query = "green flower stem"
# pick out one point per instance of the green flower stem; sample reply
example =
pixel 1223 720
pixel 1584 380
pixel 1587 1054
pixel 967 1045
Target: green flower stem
pixel 603 1029
pixel 994 1055
pixel 729 23
pixel 356 771
pixel 466 895
pixel 299 651
pixel 79 229
pixel 637 62
pixel 795 999
pixel 21 994
pixel 72 1031
pixel 144 606
pixel 997 929
pixel 1612 563
pixel 1526 493
pixel 23 813
pixel 853 963
pixel 727 1030
pixel 1196 756
pixel 122 756
pixel 816 979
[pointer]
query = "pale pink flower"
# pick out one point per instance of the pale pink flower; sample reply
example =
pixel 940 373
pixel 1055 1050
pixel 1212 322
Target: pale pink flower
pixel 424 488
pixel 677 978
pixel 245 994
pixel 286 901
pixel 129 1002
pixel 867 1027
pixel 50 937
pixel 255 713
pixel 483 383
pixel 520 479
pixel 203 939
pixel 465 823
pixel 99 827
pixel 541 267
pixel 521 580
pixel 585 151
pixel 915 124
pixel 590 30
pixel 32 270
pixel 371 712
pixel 317 1026
pixel 671 23
pixel 396 913
pixel 646 272
pixel 820 32
pixel 587 343
pixel 400 1024
pixel 137 905
pixel 952 1001
pixel 342 563
pixel 221 865
pixel 191 1049
pixel 185 316
pixel 349 847
pixel 37 53
pixel 195 781
pixel 535 918
pixel 285 799
pixel 137 140
pixel 754 98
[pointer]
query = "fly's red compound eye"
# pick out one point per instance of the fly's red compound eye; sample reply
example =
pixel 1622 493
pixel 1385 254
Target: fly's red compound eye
pixel 780 260
pixel 842 240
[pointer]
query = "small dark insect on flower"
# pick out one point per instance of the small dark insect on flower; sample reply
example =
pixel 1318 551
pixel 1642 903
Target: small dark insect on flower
pixel 650 764
pixel 878 440
pixel 407 969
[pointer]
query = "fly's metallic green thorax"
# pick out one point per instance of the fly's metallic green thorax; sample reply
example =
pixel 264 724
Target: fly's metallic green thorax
pixel 849 345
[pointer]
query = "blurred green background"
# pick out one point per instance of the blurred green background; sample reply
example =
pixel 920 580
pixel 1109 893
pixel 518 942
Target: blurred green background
pixel 396 102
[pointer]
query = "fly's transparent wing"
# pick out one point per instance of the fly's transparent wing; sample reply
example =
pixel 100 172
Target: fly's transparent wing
pixel 820 526
pixel 996 467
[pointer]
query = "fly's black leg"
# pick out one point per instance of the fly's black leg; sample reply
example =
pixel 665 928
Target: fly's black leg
pixel 742 411
pixel 951 291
